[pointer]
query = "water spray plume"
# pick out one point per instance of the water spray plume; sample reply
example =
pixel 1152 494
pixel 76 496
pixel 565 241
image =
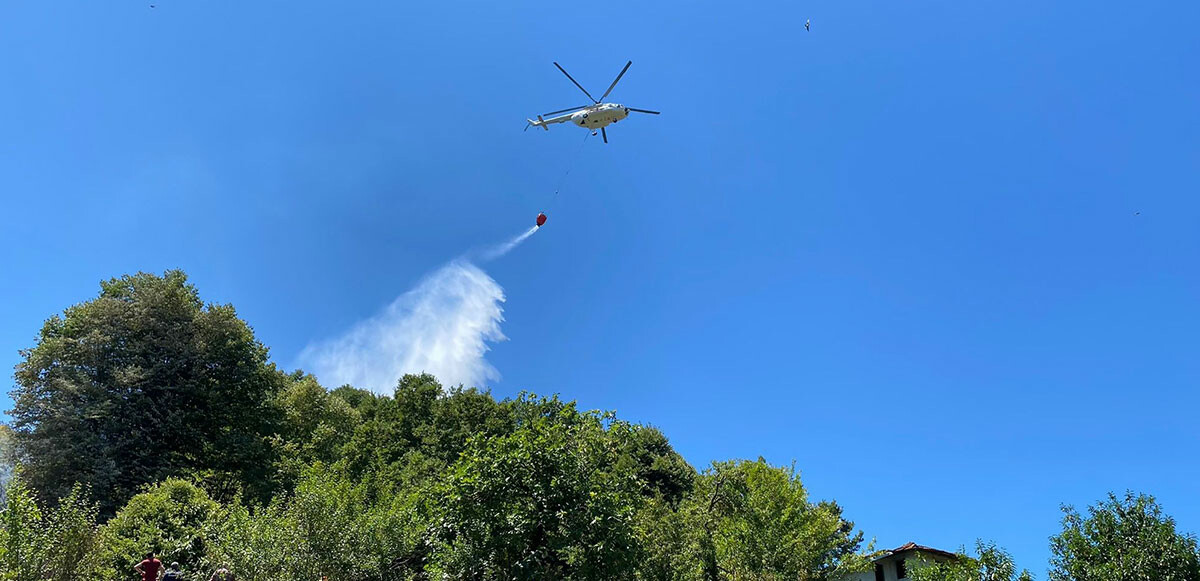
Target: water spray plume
pixel 444 326
pixel 505 248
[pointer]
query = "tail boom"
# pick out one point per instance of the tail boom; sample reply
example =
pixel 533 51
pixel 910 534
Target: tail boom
pixel 539 123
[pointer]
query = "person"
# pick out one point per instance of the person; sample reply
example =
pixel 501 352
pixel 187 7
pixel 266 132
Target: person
pixel 149 568
pixel 221 574
pixel 173 573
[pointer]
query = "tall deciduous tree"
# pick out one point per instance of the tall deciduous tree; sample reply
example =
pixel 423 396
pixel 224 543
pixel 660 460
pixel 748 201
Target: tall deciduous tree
pixel 662 471
pixel 141 383
pixel 758 523
pixel 1122 539
pixel 419 431
pixel 315 425
pixel 552 500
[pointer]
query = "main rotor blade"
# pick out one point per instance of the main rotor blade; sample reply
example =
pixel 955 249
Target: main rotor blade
pixel 643 111
pixel 564 71
pixel 565 110
pixel 604 134
pixel 616 80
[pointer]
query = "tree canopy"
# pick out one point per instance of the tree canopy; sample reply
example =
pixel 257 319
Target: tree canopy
pixel 142 383
pixel 146 419
pixel 554 499
pixel 1122 539
pixel 758 523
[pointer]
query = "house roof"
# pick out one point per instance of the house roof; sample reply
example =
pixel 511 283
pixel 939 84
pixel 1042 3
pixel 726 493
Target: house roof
pixel 913 547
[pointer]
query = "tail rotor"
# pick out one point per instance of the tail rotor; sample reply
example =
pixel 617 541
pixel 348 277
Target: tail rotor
pixel 539 123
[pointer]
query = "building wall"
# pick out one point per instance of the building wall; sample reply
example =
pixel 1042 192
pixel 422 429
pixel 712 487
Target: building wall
pixel 858 577
pixel 889 568
pixel 868 576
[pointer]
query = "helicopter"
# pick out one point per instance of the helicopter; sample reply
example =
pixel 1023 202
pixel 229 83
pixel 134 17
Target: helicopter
pixel 595 116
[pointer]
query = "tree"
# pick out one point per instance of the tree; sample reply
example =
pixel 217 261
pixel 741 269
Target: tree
pixel 1122 539
pixel 169 519
pixel 660 468
pixel 669 542
pixel 329 526
pixel 70 538
pixel 139 384
pixel 758 524
pixel 992 564
pixel 314 427
pixel 361 400
pixel 551 500
pixel 22 552
pixel 255 542
pixel 413 436
pixel 53 544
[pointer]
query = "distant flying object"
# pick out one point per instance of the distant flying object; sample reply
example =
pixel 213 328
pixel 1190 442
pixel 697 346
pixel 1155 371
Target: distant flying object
pixel 595 116
pixel 541 219
pixel 807 24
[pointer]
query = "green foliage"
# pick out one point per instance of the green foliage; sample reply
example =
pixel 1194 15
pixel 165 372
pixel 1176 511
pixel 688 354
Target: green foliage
pixel 142 383
pixel 991 564
pixel 360 400
pixel 331 526
pixel 254 543
pixel 21 550
pixel 661 470
pixel 415 435
pixel 58 544
pixel 1122 539
pixel 168 412
pixel 670 542
pixel 169 519
pixel 8 459
pixel 315 426
pixel 758 524
pixel 70 538
pixel 552 500
pixel 124 394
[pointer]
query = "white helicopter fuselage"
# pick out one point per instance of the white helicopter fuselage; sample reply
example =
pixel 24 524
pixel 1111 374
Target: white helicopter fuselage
pixel 595 117
pixel 599 116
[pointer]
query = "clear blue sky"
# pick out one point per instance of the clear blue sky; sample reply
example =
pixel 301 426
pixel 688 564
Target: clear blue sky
pixel 902 249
